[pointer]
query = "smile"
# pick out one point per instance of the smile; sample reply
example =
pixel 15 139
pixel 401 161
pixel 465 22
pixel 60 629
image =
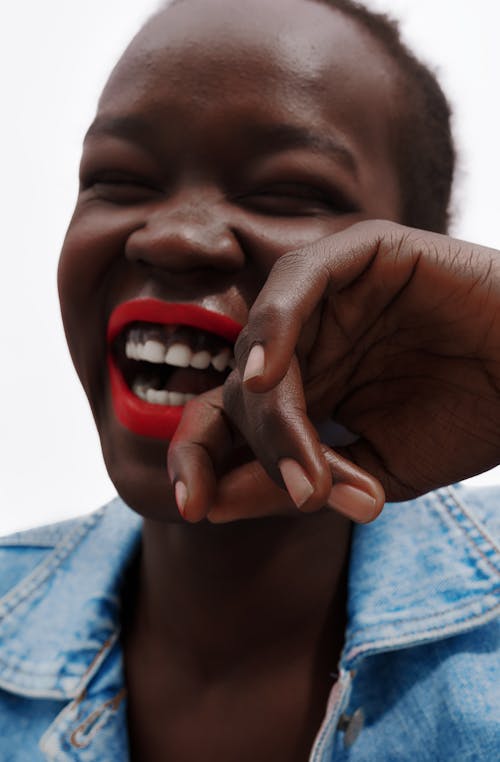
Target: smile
pixel 160 356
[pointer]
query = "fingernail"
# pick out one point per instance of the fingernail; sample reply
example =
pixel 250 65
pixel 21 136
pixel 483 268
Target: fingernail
pixel 255 362
pixel 353 502
pixel 298 485
pixel 181 496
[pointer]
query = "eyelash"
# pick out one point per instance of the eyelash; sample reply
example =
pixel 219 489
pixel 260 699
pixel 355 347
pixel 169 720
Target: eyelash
pixel 299 196
pixel 108 186
pixel 280 199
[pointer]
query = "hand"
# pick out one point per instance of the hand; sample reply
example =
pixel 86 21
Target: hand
pixel 397 337
pixel 226 483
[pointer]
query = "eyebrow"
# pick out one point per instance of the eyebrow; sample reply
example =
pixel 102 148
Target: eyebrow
pixel 281 136
pixel 131 127
pixel 296 136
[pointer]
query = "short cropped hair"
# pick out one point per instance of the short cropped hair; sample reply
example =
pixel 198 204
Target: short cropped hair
pixel 425 151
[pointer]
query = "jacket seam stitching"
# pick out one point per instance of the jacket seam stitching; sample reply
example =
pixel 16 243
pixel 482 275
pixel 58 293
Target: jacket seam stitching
pixel 477 526
pixel 41 572
pixel 443 612
pixel 453 629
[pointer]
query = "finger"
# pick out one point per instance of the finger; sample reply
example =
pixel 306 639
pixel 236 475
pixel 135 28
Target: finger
pixel 355 492
pixel 283 439
pixel 248 492
pixel 201 443
pixel 267 342
pixel 294 289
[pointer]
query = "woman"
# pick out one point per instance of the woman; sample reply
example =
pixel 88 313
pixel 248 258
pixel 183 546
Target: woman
pixel 239 157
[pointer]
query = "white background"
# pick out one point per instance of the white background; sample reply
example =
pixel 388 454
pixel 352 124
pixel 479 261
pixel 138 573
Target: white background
pixel 54 59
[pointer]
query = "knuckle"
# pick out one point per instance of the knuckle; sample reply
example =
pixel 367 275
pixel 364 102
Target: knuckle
pixel 178 451
pixel 291 262
pixel 377 234
pixel 272 419
pixel 194 406
pixel 269 317
pixel 266 321
pixel 204 407
pixel 378 227
pixel 190 408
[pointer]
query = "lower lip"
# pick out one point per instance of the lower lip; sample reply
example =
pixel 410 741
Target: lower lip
pixel 138 416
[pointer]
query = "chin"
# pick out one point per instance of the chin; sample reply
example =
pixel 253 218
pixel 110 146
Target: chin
pixel 137 466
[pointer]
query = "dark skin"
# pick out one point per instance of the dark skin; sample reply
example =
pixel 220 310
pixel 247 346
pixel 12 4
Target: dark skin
pixel 413 368
pixel 232 632
pixel 230 663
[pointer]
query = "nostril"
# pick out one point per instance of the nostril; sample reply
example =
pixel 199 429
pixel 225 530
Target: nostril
pixel 185 245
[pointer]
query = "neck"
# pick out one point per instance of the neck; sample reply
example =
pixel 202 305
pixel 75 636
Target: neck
pixel 218 598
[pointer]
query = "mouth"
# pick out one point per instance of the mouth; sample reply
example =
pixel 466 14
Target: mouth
pixel 160 356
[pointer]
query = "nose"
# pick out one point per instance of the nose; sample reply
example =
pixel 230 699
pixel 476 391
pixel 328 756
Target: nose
pixel 185 234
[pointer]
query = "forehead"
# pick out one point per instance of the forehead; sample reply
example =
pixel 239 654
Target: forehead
pixel 293 61
pixel 303 46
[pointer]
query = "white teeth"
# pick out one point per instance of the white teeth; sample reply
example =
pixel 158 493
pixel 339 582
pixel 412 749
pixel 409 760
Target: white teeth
pixel 179 355
pixel 157 396
pixel 200 360
pixel 131 350
pixel 222 360
pixel 176 399
pixel 160 396
pixel 153 351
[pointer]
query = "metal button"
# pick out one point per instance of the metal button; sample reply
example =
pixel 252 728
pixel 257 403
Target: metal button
pixel 351 725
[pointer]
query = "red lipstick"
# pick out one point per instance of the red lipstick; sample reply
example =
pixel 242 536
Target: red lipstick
pixel 140 417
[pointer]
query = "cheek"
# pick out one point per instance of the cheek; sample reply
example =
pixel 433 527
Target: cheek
pixel 266 240
pixel 93 245
pixel 95 239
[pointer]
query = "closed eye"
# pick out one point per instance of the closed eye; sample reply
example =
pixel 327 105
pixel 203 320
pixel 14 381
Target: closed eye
pixel 118 188
pixel 297 199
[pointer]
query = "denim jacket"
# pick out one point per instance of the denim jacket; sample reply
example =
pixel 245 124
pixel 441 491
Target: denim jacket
pixel 419 676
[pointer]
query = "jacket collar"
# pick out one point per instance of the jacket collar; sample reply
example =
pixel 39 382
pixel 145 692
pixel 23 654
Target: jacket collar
pixel 59 623
pixel 424 570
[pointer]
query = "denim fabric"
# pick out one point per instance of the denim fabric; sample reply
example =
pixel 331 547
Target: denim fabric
pixel 419 677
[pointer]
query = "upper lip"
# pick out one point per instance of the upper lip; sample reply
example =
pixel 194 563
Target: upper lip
pixel 151 310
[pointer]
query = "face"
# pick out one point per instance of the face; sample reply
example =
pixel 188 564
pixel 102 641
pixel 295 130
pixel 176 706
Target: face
pixel 227 135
